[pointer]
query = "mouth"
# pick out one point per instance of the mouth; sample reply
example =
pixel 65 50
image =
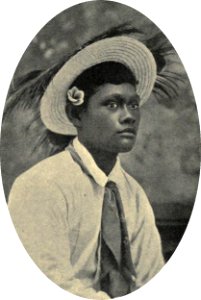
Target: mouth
pixel 127 132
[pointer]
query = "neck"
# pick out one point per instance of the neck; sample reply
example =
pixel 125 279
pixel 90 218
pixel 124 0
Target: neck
pixel 105 160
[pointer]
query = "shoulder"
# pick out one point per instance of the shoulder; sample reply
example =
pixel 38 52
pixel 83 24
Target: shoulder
pixel 49 175
pixel 49 167
pixel 37 194
pixel 133 184
pixel 137 192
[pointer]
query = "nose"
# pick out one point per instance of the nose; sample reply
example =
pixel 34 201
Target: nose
pixel 127 116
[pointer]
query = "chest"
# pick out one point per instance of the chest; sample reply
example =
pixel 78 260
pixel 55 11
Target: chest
pixel 84 207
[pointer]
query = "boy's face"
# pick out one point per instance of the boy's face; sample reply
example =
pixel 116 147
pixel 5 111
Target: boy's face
pixel 110 121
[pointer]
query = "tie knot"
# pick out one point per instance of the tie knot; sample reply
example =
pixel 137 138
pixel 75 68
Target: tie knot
pixel 111 185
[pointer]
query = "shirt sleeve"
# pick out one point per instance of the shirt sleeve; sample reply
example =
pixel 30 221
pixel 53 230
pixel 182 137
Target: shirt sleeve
pixel 38 210
pixel 146 248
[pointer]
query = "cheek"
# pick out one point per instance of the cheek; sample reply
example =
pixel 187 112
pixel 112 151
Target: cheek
pixel 92 124
pixel 108 122
pixel 100 121
pixel 138 118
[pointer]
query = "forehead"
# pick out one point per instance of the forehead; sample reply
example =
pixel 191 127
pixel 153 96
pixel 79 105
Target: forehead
pixel 125 90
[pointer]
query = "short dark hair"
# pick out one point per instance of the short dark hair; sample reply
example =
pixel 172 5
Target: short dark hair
pixel 95 76
pixel 107 72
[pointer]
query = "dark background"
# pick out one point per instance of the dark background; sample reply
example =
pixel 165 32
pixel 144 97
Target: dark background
pixel 165 159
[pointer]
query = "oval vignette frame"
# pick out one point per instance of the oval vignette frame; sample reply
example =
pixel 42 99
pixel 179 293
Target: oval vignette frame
pixel 190 78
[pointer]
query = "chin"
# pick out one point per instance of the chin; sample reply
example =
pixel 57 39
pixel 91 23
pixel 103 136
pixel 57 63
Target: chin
pixel 125 149
pixel 125 146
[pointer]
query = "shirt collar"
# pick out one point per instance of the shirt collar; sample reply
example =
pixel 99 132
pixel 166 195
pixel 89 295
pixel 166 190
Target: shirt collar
pixel 99 176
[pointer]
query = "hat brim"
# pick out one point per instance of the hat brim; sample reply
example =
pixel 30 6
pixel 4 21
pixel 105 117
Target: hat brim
pixel 123 49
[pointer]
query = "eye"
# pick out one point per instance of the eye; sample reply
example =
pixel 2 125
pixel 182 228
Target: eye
pixel 112 105
pixel 133 106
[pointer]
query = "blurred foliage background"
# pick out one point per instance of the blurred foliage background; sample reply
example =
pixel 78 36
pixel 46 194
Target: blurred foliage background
pixel 166 158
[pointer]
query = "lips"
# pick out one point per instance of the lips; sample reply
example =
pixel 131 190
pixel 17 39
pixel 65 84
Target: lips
pixel 127 132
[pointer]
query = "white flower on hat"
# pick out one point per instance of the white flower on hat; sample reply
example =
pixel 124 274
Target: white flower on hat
pixel 75 96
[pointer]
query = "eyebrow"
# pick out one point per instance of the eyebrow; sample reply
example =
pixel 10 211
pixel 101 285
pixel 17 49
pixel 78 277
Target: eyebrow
pixel 117 97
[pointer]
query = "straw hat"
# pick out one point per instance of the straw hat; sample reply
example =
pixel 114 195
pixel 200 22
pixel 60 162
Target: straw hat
pixel 122 49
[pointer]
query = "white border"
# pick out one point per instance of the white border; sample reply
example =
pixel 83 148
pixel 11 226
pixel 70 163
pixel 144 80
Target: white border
pixel 19 22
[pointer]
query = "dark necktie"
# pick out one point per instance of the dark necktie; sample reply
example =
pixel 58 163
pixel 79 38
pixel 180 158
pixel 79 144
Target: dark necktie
pixel 117 276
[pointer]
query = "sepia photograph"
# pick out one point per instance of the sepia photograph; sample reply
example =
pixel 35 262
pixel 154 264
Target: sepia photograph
pixel 100 149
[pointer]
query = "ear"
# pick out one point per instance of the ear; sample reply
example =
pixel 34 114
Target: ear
pixel 73 114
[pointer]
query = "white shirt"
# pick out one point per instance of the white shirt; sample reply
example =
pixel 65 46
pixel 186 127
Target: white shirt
pixel 56 207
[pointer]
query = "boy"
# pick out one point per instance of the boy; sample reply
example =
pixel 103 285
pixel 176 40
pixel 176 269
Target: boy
pixel 86 223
